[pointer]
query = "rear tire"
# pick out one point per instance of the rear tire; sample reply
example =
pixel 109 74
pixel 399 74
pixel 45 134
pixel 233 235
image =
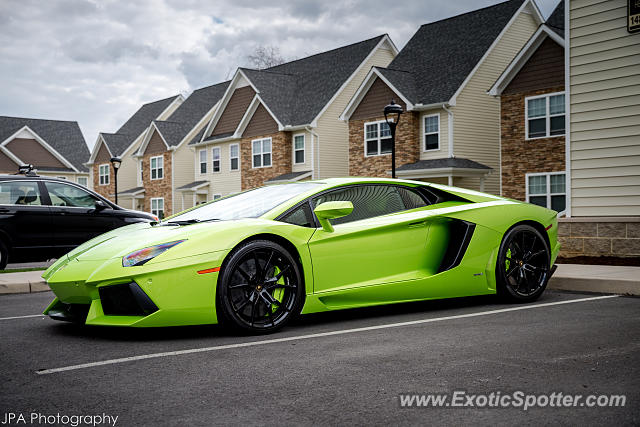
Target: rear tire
pixel 260 288
pixel 522 269
pixel 4 255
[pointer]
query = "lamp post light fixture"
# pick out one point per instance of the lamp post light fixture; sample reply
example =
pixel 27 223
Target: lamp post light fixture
pixel 116 162
pixel 389 111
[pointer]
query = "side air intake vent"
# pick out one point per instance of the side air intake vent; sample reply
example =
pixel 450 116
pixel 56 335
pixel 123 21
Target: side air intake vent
pixel 460 233
pixel 126 299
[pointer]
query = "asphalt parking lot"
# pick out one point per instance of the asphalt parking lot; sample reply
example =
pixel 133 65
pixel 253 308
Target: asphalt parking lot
pixel 334 368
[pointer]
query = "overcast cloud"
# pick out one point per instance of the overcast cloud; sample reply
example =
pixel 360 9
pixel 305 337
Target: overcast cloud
pixel 97 61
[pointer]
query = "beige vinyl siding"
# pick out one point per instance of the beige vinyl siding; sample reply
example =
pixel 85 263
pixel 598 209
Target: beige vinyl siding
pixel 128 172
pixel 476 116
pixel 334 133
pixel 184 164
pixel 444 136
pixel 308 146
pixel 226 181
pixel 605 110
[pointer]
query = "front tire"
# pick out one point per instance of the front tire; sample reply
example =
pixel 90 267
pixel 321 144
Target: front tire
pixel 522 269
pixel 260 288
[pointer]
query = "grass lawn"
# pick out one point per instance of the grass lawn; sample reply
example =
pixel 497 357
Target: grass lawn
pixel 18 270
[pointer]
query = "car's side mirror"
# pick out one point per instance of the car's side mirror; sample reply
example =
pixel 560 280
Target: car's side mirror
pixel 100 205
pixel 330 210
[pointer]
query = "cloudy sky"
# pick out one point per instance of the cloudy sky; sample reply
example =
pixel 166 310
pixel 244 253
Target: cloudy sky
pixel 97 61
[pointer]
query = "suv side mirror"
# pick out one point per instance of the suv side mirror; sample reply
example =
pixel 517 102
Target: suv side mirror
pixel 330 210
pixel 100 205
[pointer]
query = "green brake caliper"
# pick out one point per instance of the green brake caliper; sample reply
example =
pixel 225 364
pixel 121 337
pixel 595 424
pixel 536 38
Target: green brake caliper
pixel 278 293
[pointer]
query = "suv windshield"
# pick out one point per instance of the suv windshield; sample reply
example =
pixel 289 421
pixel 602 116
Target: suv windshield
pixel 250 204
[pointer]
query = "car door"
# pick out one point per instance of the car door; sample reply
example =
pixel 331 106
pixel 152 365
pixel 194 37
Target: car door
pixel 369 246
pixel 75 216
pixel 24 219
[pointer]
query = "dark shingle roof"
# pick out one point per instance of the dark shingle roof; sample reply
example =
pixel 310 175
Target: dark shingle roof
pixel 190 112
pixel 297 91
pixel 288 176
pixel 137 124
pixel 63 136
pixel 192 185
pixel 131 191
pixel 556 19
pixel 449 162
pixel 441 54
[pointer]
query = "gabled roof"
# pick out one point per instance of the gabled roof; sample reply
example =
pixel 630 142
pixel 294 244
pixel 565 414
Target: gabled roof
pixel 64 137
pixel 136 125
pixel 556 19
pixel 437 61
pixel 296 92
pixel 535 41
pixel 190 113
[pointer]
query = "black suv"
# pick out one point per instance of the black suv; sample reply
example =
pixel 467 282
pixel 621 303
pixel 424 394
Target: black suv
pixel 42 218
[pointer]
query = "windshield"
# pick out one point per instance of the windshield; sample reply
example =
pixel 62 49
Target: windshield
pixel 250 204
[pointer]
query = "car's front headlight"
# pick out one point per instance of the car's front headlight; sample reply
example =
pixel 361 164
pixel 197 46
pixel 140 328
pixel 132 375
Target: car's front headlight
pixel 141 256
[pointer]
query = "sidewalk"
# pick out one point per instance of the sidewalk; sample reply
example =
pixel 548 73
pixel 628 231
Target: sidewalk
pixel 568 277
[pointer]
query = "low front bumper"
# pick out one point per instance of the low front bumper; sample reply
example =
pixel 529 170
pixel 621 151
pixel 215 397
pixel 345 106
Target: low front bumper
pixel 170 293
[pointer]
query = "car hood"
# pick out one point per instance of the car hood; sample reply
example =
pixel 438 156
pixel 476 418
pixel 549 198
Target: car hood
pixel 198 239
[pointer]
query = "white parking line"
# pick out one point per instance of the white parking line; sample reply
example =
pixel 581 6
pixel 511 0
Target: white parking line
pixel 21 317
pixel 317 335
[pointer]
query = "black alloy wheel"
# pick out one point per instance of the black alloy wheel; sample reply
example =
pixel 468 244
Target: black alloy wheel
pixel 523 267
pixel 260 288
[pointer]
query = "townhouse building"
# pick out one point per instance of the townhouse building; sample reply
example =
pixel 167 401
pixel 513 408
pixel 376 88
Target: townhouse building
pixel 282 123
pixel 54 148
pixel 602 87
pixel 532 119
pixel 450 130
pixel 165 162
pixel 124 143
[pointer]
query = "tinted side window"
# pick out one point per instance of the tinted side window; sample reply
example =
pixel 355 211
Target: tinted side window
pixel 372 200
pixel 300 216
pixel 68 195
pixel 20 193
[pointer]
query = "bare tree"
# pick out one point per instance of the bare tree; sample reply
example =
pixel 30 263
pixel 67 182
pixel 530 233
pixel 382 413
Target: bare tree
pixel 265 57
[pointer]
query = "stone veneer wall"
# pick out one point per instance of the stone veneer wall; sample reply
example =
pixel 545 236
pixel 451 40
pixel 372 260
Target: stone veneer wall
pixel 520 156
pixel 407 147
pixel 108 190
pixel 615 237
pixel 158 187
pixel 280 160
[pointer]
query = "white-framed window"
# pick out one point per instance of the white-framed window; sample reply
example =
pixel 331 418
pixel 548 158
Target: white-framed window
pixel 215 155
pixel 547 189
pixel 544 115
pixel 141 171
pixel 431 132
pixel 202 157
pixel 217 196
pixel 234 157
pixel 103 174
pixel 261 152
pixel 298 149
pixel 377 138
pixel 157 207
pixel 83 180
pixel 157 167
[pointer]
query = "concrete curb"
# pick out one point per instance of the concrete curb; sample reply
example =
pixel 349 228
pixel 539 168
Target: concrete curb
pixel 606 279
pixel 568 277
pixel 22 282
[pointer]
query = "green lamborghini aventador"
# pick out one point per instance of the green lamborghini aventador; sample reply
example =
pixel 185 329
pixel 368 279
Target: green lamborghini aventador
pixel 257 259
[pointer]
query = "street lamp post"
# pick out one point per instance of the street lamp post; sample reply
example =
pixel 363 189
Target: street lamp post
pixel 389 111
pixel 116 162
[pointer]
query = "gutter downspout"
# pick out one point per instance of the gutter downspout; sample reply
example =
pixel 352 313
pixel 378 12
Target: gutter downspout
pixel 450 139
pixel 314 175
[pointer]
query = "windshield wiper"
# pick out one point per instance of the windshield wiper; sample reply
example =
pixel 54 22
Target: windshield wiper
pixel 190 221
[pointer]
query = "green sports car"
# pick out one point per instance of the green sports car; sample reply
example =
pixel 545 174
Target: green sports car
pixel 257 259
